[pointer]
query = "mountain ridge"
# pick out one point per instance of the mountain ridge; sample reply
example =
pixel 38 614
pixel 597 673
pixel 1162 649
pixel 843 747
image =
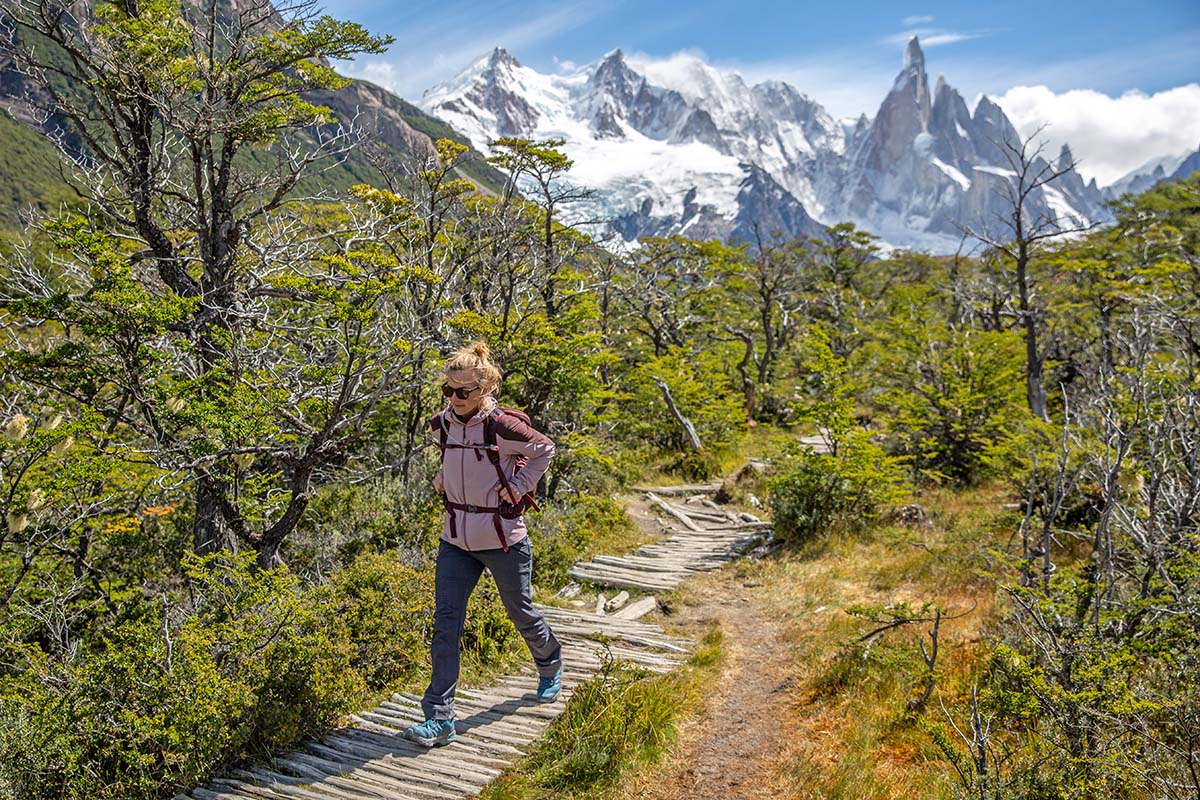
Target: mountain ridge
pixel 916 173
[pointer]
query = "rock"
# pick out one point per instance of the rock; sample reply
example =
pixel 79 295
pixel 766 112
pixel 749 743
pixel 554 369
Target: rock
pixel 578 603
pixel 572 589
pixel 766 548
pixel 754 501
pixel 911 514
pixel 618 600
pixel 600 604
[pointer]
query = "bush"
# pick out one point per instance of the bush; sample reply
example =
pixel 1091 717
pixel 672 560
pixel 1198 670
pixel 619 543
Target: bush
pixel 159 704
pixel 564 534
pixel 951 394
pixel 812 492
pixel 387 608
pixel 700 392
pixel 695 465
pixel 344 521
pixel 618 717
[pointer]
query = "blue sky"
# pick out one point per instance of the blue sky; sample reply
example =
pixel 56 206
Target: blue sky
pixel 842 54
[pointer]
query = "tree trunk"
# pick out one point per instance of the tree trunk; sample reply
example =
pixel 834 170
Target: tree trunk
pixel 210 534
pixel 688 428
pixel 1035 392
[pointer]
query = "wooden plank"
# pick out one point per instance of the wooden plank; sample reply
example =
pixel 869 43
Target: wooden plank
pixel 625 582
pixel 679 515
pixel 694 488
pixel 449 779
pixel 646 582
pixel 279 783
pixel 462 765
pixel 638 608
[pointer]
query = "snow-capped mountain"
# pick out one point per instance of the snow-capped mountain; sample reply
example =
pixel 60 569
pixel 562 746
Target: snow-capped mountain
pixel 1164 168
pixel 925 168
pixel 665 153
pixel 682 147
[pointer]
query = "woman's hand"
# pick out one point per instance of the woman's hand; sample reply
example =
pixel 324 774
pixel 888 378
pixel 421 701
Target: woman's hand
pixel 507 494
pixel 439 485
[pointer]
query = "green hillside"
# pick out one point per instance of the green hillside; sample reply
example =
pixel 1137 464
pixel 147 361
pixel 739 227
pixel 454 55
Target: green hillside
pixel 29 172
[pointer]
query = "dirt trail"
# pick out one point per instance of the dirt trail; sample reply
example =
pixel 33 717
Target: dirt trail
pixel 733 747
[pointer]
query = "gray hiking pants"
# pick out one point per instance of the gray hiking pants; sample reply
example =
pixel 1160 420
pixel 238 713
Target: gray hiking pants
pixel 457 574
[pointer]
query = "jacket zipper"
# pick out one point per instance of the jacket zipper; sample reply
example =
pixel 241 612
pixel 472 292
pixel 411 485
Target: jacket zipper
pixel 462 472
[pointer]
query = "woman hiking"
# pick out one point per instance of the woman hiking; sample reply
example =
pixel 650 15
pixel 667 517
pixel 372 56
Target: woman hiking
pixel 491 463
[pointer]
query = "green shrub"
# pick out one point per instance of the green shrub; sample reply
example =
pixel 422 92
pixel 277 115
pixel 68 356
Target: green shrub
pixel 699 391
pixel 565 533
pixel 157 705
pixel 387 607
pixel 811 492
pixel 950 394
pixel 695 465
pixel 618 717
pixel 344 521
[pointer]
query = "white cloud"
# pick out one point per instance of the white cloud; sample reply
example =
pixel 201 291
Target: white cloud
pixel 909 22
pixel 931 37
pixel 1108 135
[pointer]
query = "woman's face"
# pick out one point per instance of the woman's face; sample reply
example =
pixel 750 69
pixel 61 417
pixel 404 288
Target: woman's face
pixel 464 379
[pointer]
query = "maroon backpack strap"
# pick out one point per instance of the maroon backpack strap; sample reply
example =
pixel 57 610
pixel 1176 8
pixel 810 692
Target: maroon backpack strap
pixel 493 451
pixel 439 422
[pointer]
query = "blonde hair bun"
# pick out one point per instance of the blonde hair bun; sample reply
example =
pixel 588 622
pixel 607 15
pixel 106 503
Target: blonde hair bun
pixel 476 358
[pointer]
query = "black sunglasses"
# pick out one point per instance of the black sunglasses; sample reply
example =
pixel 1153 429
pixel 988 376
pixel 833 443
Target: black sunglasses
pixel 462 392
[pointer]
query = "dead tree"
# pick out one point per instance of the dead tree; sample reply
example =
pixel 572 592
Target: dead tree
pixel 1024 227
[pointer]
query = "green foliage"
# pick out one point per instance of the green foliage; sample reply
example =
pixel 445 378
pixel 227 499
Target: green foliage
pixel 160 703
pixel 567 533
pixel 713 407
pixel 949 393
pixel 619 718
pixel 387 608
pixel 811 492
pixel 344 521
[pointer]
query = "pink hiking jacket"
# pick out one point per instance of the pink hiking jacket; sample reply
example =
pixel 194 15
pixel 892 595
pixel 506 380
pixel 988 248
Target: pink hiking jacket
pixel 469 477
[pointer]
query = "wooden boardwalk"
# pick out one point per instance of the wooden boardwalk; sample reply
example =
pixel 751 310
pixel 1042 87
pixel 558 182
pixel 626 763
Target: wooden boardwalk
pixel 496 725
pixel 703 537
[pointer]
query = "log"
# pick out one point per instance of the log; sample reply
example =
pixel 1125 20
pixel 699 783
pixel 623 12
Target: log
pixel 638 608
pixel 678 490
pixel 688 428
pixel 617 600
pixel 679 515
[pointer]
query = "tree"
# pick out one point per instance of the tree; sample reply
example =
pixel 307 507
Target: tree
pixel 771 285
pixel 543 167
pixel 195 136
pixel 1024 228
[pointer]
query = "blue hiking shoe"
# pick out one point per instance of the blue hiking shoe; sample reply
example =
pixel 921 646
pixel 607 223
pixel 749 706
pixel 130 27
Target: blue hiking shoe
pixel 549 688
pixel 431 732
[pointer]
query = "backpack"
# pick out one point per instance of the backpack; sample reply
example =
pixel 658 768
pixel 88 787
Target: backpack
pixel 506 509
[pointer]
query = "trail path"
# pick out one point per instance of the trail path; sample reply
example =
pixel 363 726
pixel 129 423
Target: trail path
pixel 732 749
pixel 497 724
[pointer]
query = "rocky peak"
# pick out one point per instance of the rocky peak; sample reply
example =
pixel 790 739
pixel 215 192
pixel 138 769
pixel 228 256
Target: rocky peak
pixel 913 75
pixel 987 111
pixel 501 59
pixel 613 88
pixel 914 59
pixel 1066 160
pixel 613 77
